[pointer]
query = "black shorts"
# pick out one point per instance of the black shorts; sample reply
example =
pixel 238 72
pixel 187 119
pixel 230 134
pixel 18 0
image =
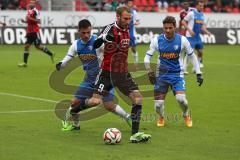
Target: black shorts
pixel 107 80
pixel 33 38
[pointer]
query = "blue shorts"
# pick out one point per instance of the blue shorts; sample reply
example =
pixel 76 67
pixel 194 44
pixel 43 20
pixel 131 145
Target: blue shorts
pixel 86 89
pixel 133 41
pixel 195 42
pixel 172 80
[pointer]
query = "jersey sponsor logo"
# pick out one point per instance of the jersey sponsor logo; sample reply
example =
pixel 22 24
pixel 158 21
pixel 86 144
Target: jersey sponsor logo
pixel 87 57
pixel 199 21
pixel 169 55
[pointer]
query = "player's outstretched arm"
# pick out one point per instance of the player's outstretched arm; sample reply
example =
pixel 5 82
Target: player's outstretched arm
pixel 147 60
pixel 193 58
pixel 205 30
pixel 70 54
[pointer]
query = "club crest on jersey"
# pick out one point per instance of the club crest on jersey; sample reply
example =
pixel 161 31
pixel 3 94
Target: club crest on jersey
pixel 175 47
pixel 90 47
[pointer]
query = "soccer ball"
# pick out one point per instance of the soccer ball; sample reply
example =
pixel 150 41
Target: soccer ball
pixel 112 136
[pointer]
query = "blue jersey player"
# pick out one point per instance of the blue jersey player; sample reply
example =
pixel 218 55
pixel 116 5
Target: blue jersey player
pixel 171 47
pixel 132 30
pixel 90 58
pixel 194 23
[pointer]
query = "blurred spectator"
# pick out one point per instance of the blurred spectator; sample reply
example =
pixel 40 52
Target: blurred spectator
pixel 104 5
pixel 236 4
pixel 114 5
pixel 121 2
pixel 162 5
pixel 227 6
pixel 9 4
pixel 107 5
pixel 92 4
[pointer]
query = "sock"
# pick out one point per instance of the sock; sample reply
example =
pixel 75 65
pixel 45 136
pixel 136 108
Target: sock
pixel 72 113
pixel 183 103
pixel 136 117
pixel 159 107
pixel 80 107
pixel 25 56
pixel 135 57
pixel 118 110
pixel 199 60
pixel 48 52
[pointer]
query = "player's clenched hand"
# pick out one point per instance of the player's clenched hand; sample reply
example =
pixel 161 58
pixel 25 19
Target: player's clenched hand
pixel 58 66
pixel 152 77
pixel 199 79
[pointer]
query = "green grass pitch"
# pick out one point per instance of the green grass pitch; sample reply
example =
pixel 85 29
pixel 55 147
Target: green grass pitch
pixel 215 109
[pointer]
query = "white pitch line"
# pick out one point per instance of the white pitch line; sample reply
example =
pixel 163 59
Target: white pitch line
pixel 27 111
pixel 27 97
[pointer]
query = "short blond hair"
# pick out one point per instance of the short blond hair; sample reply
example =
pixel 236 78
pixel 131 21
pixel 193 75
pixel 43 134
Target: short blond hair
pixel 121 9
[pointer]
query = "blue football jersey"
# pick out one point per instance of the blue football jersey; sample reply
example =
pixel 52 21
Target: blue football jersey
pixel 198 22
pixel 169 53
pixel 88 57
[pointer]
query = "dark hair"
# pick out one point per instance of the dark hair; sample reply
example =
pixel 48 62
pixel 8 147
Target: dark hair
pixel 121 9
pixel 170 19
pixel 199 1
pixel 84 24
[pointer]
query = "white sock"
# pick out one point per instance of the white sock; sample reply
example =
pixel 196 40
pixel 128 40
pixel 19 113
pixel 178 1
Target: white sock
pixel 135 57
pixel 118 110
pixel 199 60
pixel 159 107
pixel 72 118
pixel 76 120
pixel 181 98
pixel 67 114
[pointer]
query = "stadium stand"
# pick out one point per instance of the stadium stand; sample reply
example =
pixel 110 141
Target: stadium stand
pixel 211 6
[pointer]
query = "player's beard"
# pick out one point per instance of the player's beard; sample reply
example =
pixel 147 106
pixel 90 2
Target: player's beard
pixel 169 35
pixel 122 25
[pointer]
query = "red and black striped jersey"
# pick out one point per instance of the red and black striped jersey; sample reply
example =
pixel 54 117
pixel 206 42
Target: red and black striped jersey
pixel 115 57
pixel 32 26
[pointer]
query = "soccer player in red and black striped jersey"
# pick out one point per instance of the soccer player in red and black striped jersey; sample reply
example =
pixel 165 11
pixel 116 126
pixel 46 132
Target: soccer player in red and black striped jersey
pixel 114 70
pixel 183 13
pixel 33 21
